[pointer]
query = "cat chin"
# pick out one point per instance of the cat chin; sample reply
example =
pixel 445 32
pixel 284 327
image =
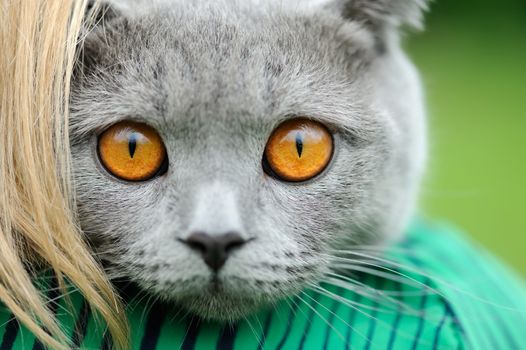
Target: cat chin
pixel 224 299
pixel 221 302
pixel 220 307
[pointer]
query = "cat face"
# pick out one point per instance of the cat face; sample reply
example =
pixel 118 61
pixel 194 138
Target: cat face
pixel 216 230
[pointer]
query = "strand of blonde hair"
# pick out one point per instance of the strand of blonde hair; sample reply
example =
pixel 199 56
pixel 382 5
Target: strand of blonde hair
pixel 38 41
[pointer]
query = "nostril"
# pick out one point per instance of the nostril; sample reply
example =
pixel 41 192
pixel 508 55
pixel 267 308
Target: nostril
pixel 197 242
pixel 214 248
pixel 231 240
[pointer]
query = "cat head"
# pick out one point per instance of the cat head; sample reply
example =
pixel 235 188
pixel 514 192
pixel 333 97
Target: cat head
pixel 217 226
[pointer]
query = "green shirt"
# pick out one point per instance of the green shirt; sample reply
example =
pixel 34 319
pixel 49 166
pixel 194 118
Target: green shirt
pixel 436 290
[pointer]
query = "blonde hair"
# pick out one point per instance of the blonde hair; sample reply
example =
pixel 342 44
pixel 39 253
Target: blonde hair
pixel 38 226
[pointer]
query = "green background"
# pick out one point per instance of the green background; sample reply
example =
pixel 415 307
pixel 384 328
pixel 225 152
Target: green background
pixel 472 57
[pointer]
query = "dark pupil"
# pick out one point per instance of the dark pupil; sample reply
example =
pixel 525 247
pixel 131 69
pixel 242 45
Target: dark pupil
pixel 299 144
pixel 132 144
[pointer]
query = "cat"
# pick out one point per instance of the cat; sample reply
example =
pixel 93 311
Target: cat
pixel 214 79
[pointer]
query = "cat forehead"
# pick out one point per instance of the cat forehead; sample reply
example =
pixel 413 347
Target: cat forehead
pixel 185 64
pixel 271 27
pixel 288 5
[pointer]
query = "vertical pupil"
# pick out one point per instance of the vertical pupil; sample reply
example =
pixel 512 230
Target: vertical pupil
pixel 299 144
pixel 132 144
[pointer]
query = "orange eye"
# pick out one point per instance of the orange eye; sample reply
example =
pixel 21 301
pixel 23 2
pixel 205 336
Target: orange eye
pixel 132 151
pixel 299 149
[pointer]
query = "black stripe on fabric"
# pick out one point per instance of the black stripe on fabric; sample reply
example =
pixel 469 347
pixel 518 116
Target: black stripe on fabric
pixel 309 325
pixel 332 308
pixel 192 332
pixel 372 324
pixel 227 338
pixel 396 323
pixel 37 345
pixel 266 329
pixel 423 302
pixel 438 331
pixel 352 316
pixel 107 342
pixel 11 331
pixel 420 264
pixel 292 314
pixel 442 257
pixel 53 300
pixel 81 325
pixel 153 328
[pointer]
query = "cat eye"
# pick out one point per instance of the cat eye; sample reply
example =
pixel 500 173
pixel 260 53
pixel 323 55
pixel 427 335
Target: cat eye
pixel 132 151
pixel 298 150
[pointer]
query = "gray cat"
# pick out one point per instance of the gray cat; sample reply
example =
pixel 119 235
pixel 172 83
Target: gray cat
pixel 214 230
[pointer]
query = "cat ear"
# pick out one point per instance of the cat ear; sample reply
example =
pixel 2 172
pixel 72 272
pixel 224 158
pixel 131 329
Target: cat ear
pixel 381 17
pixel 382 13
pixel 96 38
pixel 101 11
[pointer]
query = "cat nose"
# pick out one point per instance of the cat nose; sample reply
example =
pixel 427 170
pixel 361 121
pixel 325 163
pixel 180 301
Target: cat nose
pixel 214 249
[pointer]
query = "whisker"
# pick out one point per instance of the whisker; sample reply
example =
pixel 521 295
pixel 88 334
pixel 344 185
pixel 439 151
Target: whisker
pixel 375 249
pixel 437 280
pixel 259 322
pixel 358 304
pixel 320 290
pixel 353 329
pixel 344 301
pixel 185 335
pixel 173 316
pixel 146 310
pixel 386 274
pixel 378 294
pixel 253 330
pixel 352 264
pixel 402 307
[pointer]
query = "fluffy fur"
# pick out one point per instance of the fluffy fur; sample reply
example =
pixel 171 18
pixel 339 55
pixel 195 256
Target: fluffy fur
pixel 215 78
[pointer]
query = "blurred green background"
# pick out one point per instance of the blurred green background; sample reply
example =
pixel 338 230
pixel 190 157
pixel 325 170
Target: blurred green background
pixel 472 57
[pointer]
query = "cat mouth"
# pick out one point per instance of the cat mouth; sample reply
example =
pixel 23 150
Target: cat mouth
pixel 216 286
pixel 216 304
pixel 219 300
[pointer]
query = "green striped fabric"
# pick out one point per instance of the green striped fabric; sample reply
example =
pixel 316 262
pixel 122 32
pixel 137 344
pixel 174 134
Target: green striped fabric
pixel 432 291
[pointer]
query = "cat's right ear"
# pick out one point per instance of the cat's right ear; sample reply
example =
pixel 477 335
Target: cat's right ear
pixel 98 12
pixel 382 18
pixel 101 19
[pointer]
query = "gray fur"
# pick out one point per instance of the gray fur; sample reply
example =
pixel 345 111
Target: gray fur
pixel 215 78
